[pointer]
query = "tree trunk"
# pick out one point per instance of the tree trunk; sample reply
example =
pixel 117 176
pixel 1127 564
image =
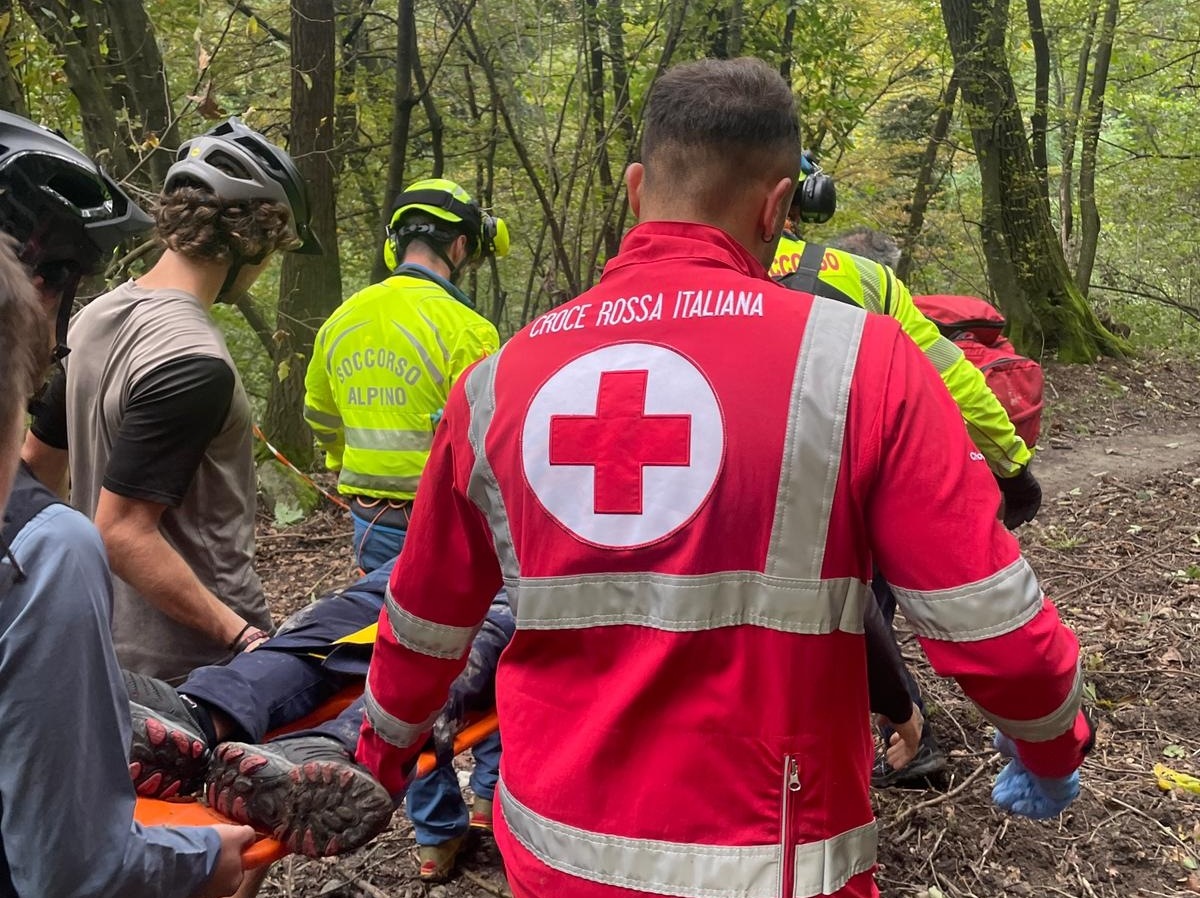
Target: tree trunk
pixel 12 94
pixel 604 172
pixel 146 80
pixel 310 287
pixel 1025 263
pixel 1066 183
pixel 923 190
pixel 1041 96
pixel 88 77
pixel 403 102
pixel 1089 214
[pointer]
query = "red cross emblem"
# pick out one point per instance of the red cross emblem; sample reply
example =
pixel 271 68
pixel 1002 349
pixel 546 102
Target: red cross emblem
pixel 619 441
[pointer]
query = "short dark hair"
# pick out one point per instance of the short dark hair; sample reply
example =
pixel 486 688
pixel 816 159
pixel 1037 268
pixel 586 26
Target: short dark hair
pixel 870 244
pixel 24 337
pixel 734 116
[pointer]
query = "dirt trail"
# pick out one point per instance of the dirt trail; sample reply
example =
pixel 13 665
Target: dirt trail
pixel 1135 455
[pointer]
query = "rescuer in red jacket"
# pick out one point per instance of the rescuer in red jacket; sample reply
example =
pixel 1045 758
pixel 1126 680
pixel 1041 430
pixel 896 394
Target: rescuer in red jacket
pixel 682 478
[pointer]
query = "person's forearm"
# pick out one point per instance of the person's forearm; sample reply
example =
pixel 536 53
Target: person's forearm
pixel 148 563
pixel 49 465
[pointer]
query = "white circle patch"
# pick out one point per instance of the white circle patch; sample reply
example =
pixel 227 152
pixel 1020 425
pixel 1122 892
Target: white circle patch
pixel 622 445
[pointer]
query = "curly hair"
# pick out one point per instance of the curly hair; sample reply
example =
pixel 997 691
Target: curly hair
pixel 24 337
pixel 197 224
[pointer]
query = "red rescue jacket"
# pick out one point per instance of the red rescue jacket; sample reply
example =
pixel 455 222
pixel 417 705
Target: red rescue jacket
pixel 683 477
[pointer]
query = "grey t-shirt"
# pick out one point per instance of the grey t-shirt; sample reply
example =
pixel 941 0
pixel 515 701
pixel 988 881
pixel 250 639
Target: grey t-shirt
pixel 118 341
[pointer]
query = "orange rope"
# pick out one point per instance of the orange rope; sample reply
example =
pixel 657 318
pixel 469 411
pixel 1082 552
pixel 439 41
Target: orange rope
pixel 336 500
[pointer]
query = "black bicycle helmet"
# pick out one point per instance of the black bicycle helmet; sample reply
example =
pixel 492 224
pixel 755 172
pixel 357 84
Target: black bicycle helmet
pixel 57 202
pixel 67 215
pixel 237 163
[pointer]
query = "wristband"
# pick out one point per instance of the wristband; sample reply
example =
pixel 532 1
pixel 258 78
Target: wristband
pixel 248 634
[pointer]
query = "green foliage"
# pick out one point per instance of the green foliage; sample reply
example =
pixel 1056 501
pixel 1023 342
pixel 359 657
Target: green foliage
pixel 868 79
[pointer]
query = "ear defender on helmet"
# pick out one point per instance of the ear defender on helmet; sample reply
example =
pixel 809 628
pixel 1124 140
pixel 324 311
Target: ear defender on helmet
pixel 493 237
pixel 815 199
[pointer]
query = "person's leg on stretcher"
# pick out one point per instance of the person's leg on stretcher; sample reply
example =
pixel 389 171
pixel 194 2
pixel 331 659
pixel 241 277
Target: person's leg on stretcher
pixel 211 732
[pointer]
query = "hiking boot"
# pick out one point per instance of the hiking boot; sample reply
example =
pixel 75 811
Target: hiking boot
pixel 169 753
pixel 306 792
pixel 929 761
pixel 481 814
pixel 435 863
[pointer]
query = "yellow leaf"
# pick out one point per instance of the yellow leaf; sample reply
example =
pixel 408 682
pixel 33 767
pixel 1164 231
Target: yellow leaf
pixel 5 21
pixel 284 369
pixel 1169 779
pixel 252 28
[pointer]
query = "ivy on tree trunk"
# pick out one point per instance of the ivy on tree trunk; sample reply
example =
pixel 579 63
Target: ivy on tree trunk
pixel 1035 289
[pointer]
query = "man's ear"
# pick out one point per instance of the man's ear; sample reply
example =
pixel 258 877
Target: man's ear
pixel 774 212
pixel 634 177
pixel 462 249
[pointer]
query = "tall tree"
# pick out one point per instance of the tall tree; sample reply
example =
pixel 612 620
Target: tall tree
pixel 77 38
pixel 1025 262
pixel 150 119
pixel 404 99
pixel 1089 212
pixel 12 95
pixel 310 287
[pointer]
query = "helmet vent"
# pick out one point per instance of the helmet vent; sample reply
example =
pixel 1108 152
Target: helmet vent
pixel 267 159
pixel 227 164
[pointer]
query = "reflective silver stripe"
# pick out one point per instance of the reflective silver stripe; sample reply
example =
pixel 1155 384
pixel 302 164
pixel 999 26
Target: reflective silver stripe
pixel 393 730
pixel 391 440
pixel 482 487
pixel 824 867
pixel 686 869
pixel 438 334
pixel 990 607
pixel 1043 729
pixel 323 419
pixel 324 437
pixel 425 636
pixel 646 865
pixel 338 339
pixel 378 482
pixel 434 371
pixel 943 353
pixel 683 604
pixel 812 451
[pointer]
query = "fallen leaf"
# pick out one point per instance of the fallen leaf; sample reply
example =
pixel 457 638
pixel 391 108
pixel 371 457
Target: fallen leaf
pixel 1193 883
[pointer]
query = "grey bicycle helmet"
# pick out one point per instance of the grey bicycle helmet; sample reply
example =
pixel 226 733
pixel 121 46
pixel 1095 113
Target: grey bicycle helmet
pixel 237 163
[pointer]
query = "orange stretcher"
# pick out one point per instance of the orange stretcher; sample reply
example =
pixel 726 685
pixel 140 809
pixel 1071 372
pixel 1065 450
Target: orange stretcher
pixel 266 850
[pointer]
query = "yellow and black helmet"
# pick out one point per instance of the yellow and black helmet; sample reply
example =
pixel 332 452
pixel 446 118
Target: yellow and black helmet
pixel 445 200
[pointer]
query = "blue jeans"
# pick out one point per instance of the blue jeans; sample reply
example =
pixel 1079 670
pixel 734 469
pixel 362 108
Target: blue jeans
pixel 375 544
pixel 435 803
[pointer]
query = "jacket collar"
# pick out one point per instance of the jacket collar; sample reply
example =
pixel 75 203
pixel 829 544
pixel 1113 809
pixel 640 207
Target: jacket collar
pixel 660 241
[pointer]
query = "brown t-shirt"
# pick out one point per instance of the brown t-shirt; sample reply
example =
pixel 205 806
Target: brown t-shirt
pixel 124 345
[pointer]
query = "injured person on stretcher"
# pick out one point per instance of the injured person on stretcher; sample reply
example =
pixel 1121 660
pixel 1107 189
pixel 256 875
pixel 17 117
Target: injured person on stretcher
pixel 304 787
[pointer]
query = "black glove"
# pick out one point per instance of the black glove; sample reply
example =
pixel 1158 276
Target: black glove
pixel 1022 498
pixel 446 727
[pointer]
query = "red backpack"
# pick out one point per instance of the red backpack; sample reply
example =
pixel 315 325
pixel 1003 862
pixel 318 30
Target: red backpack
pixel 977 329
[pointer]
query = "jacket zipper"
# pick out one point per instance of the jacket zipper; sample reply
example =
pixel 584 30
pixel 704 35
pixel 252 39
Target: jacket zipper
pixel 791 785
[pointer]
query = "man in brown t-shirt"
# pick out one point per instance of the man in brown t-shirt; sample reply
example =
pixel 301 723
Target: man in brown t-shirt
pixel 155 417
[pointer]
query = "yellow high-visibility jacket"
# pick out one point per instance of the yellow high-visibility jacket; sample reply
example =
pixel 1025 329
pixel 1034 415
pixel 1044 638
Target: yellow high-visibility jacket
pixel 875 287
pixel 382 367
